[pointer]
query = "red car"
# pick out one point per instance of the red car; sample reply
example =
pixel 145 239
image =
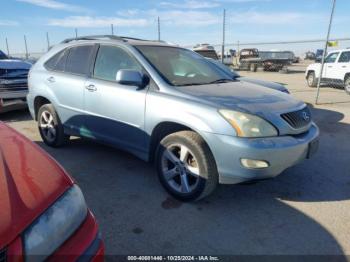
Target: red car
pixel 43 214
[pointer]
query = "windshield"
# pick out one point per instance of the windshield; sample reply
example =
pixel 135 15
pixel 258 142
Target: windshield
pixel 180 67
pixel 232 74
pixel 2 55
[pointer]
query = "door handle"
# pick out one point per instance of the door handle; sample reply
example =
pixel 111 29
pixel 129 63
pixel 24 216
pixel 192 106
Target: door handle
pixel 51 79
pixel 343 66
pixel 330 66
pixel 91 88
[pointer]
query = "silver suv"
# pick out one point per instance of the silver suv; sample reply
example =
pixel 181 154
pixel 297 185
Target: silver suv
pixel 166 104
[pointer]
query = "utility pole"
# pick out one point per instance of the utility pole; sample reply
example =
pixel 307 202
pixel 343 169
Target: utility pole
pixel 158 29
pixel 112 29
pixel 325 51
pixel 26 47
pixel 223 37
pixel 76 33
pixel 48 41
pixel 7 47
pixel 237 53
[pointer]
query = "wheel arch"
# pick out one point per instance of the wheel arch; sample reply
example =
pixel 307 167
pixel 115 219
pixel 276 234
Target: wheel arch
pixel 164 129
pixel 310 71
pixel 347 75
pixel 39 101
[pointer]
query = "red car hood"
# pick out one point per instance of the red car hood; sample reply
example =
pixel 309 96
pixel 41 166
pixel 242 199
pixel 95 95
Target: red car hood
pixel 30 181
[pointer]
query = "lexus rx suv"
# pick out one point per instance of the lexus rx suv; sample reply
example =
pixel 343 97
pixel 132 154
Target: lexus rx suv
pixel 169 105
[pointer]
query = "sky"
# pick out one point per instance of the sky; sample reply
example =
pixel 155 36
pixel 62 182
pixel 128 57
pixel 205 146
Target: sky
pixel 184 22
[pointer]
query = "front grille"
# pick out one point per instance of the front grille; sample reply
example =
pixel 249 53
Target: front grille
pixel 14 85
pixel 298 119
pixel 3 255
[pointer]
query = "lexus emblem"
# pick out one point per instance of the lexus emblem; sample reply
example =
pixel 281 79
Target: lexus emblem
pixel 306 116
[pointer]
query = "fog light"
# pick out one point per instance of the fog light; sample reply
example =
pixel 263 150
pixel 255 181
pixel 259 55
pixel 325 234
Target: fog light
pixel 251 163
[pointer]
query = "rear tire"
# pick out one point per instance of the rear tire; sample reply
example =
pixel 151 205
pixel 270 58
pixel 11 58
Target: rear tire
pixel 186 167
pixel 347 85
pixel 311 79
pixel 50 127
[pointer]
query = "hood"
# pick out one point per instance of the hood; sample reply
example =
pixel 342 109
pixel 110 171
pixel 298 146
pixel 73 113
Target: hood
pixel 315 66
pixel 14 64
pixel 30 182
pixel 244 97
pixel 267 84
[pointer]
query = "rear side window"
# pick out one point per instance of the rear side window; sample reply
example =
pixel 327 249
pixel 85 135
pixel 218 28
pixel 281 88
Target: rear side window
pixel 78 60
pixel 57 62
pixel 111 59
pixel 344 57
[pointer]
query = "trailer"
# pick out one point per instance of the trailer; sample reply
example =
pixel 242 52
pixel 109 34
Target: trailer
pixel 251 59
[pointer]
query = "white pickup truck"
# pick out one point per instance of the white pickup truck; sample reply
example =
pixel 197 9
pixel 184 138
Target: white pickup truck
pixel 336 70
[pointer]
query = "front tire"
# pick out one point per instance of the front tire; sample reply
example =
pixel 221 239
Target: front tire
pixel 311 79
pixel 50 127
pixel 186 166
pixel 253 67
pixel 347 85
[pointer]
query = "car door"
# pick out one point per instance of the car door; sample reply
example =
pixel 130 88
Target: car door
pixel 330 67
pixel 66 81
pixel 343 66
pixel 115 111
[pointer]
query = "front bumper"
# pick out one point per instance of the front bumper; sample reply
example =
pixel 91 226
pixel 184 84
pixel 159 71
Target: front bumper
pixel 280 152
pixel 12 101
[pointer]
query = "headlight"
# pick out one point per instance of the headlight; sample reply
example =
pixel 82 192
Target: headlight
pixel 247 125
pixel 55 226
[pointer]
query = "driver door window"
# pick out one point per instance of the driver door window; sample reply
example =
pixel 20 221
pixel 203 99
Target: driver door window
pixel 331 58
pixel 111 59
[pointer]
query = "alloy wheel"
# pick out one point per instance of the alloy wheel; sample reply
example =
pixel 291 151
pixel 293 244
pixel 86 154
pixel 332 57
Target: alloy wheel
pixel 180 168
pixel 47 126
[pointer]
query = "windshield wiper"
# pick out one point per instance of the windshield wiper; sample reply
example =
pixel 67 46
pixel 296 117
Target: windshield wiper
pixel 191 84
pixel 223 80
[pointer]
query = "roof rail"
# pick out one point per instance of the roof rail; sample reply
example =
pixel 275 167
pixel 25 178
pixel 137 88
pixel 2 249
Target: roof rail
pixel 96 37
pixel 91 37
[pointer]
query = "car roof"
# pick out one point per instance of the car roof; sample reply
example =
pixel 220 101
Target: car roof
pixel 113 39
pixel 339 50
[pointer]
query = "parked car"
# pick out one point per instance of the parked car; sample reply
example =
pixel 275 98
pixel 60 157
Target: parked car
pixel 206 50
pixel 13 83
pixel 168 105
pixel 43 211
pixel 310 56
pixel 336 70
pixel 319 55
pixel 234 75
pixel 252 59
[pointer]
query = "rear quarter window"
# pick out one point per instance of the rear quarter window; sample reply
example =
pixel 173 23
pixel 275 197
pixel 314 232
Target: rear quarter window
pixel 57 62
pixel 344 57
pixel 78 60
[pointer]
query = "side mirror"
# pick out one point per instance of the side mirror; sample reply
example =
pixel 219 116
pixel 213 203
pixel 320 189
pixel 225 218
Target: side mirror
pixel 132 78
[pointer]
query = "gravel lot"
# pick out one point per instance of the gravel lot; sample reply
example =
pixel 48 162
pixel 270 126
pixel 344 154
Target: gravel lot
pixel 305 210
